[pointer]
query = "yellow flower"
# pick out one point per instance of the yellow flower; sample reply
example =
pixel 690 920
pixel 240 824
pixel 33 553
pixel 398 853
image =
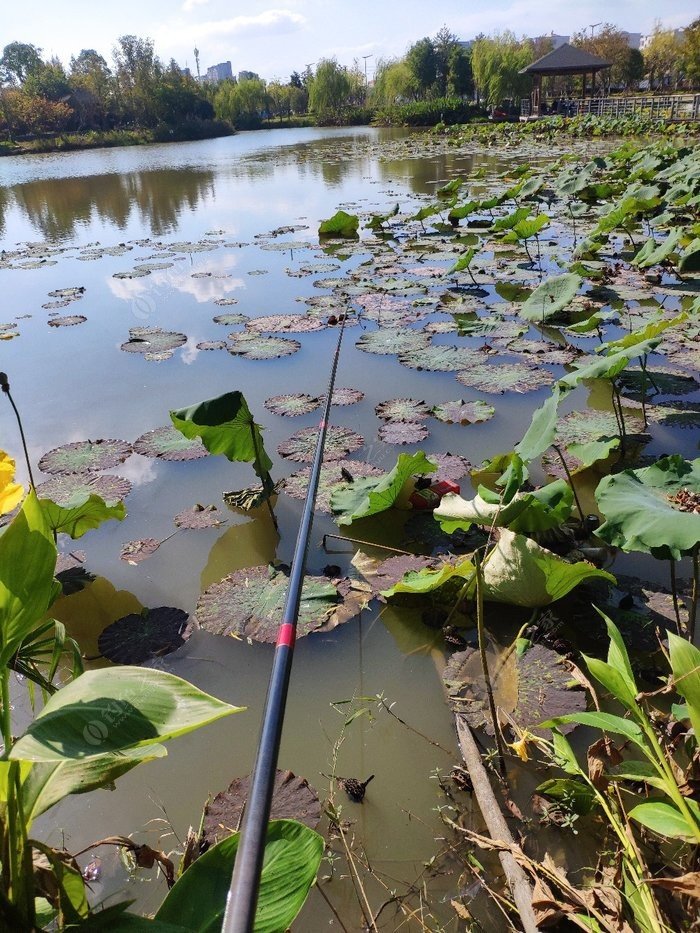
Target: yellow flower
pixel 10 493
pixel 520 747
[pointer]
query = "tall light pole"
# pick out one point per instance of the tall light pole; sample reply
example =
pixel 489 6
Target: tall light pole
pixel 592 26
pixel 365 57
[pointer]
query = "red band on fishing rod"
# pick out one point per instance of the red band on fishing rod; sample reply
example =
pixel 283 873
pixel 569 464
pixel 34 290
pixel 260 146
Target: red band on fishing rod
pixel 286 635
pixel 322 424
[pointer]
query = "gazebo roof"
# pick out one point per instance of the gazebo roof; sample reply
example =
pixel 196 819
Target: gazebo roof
pixel 566 60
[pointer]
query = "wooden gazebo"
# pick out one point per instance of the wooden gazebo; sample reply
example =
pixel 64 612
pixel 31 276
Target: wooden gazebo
pixel 566 60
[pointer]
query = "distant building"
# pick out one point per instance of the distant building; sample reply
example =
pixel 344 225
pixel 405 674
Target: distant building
pixel 557 41
pixel 645 41
pixel 220 72
pixel 247 76
pixel 634 39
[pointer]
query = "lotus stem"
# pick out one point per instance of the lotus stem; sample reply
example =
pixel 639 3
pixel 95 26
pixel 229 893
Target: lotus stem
pixel 674 591
pixel 384 547
pixel 571 481
pixel 485 664
pixel 5 386
pixel 264 475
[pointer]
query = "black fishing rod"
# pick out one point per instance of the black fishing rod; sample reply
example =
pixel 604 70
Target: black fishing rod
pixel 243 893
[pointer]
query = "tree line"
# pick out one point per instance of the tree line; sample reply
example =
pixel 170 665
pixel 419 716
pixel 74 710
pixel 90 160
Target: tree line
pixel 137 90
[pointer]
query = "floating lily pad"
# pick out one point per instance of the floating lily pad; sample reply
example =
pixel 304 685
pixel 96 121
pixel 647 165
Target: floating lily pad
pixel 137 637
pixel 635 383
pixel 68 320
pixel 443 358
pixel 383 574
pixel 284 324
pixel 69 488
pixel 292 799
pixel 83 456
pixel 333 476
pixel 68 294
pixel 292 405
pixel 403 432
pixel 461 412
pixel 231 319
pixel 530 688
pixel 450 467
pixel 340 442
pixel 345 396
pixel 507 377
pixel 133 274
pixel 134 552
pixel 153 266
pixel 167 443
pixel 225 302
pixel 52 305
pixel 212 345
pixel 254 347
pixel 387 341
pixel 589 424
pixel 153 342
pixel 402 409
pixel 199 516
pixel 249 604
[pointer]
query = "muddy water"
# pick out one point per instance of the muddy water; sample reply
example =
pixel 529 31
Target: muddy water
pixel 74 383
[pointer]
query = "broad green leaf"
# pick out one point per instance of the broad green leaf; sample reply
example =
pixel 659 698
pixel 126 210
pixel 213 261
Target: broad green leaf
pixel 520 572
pixel 664 819
pixel 527 228
pixel 113 710
pixel 531 186
pixel 340 224
pixel 593 451
pixel 566 759
pixel 47 783
pixel 452 187
pixel 428 579
pixel 640 513
pixel 648 332
pixel 638 771
pixel 464 210
pixel 510 220
pixel 685 665
pixel 293 854
pixel 115 919
pixel 542 431
pixel 606 366
pixel 551 297
pixel 578 796
pixel 653 253
pixel 544 508
pixel 85 514
pixel 72 899
pixel 689 260
pixel 369 495
pixel 464 261
pixel 612 679
pixel 607 722
pixel 27 562
pixel 226 427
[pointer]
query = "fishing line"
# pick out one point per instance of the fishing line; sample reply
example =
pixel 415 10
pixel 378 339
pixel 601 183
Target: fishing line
pixel 243 892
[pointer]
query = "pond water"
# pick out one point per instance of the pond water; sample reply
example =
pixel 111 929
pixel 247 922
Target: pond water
pixel 74 383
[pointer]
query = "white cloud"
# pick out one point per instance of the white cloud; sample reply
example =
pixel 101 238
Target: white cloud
pixel 189 5
pixel 270 22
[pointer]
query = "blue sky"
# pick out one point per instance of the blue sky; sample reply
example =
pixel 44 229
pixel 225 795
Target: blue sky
pixel 276 37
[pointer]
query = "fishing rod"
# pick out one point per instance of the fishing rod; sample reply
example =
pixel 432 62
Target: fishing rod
pixel 243 892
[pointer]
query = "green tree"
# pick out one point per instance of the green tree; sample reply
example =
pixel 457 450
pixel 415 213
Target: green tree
pixel 242 103
pixel 49 81
pixel 663 57
pixel 422 62
pixel 610 44
pixel 329 91
pixel 496 63
pixel 138 72
pixel 94 88
pixel 394 83
pixel 460 80
pixel 444 44
pixel 690 53
pixel 18 61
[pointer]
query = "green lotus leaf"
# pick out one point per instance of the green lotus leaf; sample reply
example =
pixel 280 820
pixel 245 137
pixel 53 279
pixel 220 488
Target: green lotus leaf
pixel 544 508
pixel 340 224
pixel 653 253
pixel 80 516
pixel 226 426
pixel 652 509
pixel 367 496
pixel 551 297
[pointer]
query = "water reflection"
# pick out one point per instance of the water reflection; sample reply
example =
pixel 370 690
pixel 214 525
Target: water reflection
pixel 60 206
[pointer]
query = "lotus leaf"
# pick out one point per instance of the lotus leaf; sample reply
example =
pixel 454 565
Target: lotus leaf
pixel 254 347
pixel 341 224
pixel 292 405
pixel 293 798
pixel 167 443
pixel 527 512
pixel 654 509
pixel 461 412
pixel 283 324
pixel 402 409
pixel 450 466
pixel 346 396
pixel 386 341
pixel 81 515
pixel 444 358
pixel 153 342
pixel 140 636
pixel 340 442
pixel 403 432
pixel 506 377
pixel 528 687
pixel 249 604
pixel 551 297
pixel 199 516
pixel 83 456
pixel 368 496
pixel 69 320
pixel 226 426
pixel 333 476
pixel 71 489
